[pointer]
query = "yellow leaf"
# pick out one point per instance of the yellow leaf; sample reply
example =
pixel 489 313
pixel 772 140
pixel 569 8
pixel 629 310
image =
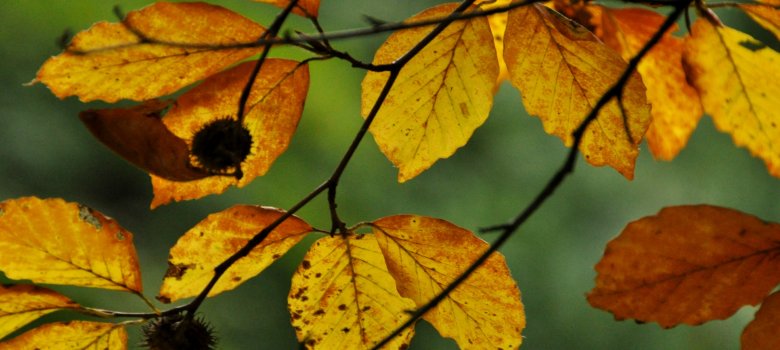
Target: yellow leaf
pixel 113 61
pixel 761 333
pixel 23 303
pixel 562 70
pixel 656 271
pixel 439 98
pixel 738 79
pixel 306 8
pixel 342 296
pixel 192 260
pixel 425 255
pixel 766 15
pixel 272 113
pixel 71 335
pixel 497 23
pixel 675 104
pixel 53 241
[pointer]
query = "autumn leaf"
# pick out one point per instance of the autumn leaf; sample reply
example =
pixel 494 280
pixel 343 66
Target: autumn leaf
pixel 425 255
pixel 738 78
pixel 138 135
pixel 273 110
pixel 53 241
pixel 192 260
pixel 766 14
pixel 71 335
pixel 439 98
pixel 761 333
pixel 23 303
pixel 153 52
pixel 306 8
pixel 688 264
pixel 675 104
pixel 497 23
pixel 562 70
pixel 343 297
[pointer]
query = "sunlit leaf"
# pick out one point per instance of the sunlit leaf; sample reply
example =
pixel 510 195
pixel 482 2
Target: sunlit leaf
pixel 440 97
pixel 562 70
pixel 342 296
pixel 765 14
pixel 192 260
pixel 761 333
pixel 688 264
pixel 53 241
pixel 424 255
pixel 139 136
pixel 272 113
pixel 23 303
pixel 497 23
pixel 153 52
pixel 71 335
pixel 675 104
pixel 738 79
pixel 306 8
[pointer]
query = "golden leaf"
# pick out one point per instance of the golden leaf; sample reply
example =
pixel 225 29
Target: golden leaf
pixel 425 255
pixel 53 241
pixel 23 303
pixel 562 70
pixel 153 52
pixel 761 333
pixel 192 260
pixel 497 23
pixel 767 15
pixel 306 8
pixel 439 98
pixel 71 335
pixel 342 296
pixel 655 271
pixel 272 112
pixel 738 79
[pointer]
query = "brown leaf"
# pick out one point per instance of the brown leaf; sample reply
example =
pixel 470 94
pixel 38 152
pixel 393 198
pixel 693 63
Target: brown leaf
pixel 23 303
pixel 688 264
pixel 761 333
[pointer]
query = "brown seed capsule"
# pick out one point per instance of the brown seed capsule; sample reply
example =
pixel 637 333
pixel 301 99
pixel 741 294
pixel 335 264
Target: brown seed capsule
pixel 178 332
pixel 221 145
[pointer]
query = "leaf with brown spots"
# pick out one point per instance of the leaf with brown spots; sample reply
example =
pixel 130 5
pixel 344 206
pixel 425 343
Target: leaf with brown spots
pixel 72 335
pixel 688 264
pixel 342 296
pixel 53 241
pixel 192 260
pixel 23 303
pixel 306 8
pixel 761 333
pixel 425 255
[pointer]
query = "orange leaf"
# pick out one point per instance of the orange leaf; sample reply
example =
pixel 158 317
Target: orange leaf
pixel 688 264
pixel 192 260
pixel 343 297
pixel 424 255
pixel 675 104
pixel 738 79
pixel 767 15
pixel 139 135
pixel 23 303
pixel 562 70
pixel 53 241
pixel 273 110
pixel 761 333
pixel 306 8
pixel 71 335
pixel 153 52
pixel 439 98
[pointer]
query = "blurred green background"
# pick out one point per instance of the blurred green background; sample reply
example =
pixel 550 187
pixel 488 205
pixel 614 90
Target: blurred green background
pixel 46 152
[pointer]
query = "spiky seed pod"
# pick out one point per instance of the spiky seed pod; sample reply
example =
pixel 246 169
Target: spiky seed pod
pixel 221 145
pixel 177 332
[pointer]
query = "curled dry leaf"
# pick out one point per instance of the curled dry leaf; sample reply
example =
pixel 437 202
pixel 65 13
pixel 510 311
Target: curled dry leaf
pixel 192 260
pixel 425 255
pixel 343 297
pixel 57 242
pixel 738 78
pixel 439 98
pixel 273 109
pixel 656 271
pixel 71 335
pixel 23 303
pixel 139 136
pixel 562 70
pixel 153 52
pixel 306 8
pixel 761 333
